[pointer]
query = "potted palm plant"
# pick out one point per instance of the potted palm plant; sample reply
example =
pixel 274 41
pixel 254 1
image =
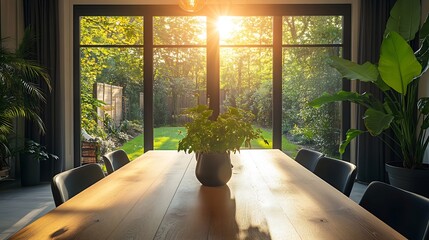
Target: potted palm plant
pixel 397 75
pixel 19 93
pixel 214 139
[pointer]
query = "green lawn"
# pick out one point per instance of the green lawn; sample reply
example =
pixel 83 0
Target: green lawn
pixel 167 138
pixel 164 138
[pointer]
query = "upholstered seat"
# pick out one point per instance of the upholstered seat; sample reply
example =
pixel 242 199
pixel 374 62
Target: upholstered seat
pixel 308 158
pixel 115 160
pixel 340 174
pixel 67 184
pixel 406 212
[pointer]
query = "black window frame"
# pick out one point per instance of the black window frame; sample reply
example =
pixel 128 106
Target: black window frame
pixel 213 71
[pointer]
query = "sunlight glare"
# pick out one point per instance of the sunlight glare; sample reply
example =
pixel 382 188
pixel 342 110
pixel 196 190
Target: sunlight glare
pixel 225 26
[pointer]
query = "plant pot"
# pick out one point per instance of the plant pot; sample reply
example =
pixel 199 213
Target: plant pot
pixel 30 170
pixel 213 169
pixel 413 180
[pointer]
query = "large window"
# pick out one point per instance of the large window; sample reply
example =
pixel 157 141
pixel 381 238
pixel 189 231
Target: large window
pixel 179 74
pixel 307 43
pixel 138 67
pixel 111 82
pixel 246 68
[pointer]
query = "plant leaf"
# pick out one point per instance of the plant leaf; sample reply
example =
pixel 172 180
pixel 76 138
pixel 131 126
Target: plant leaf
pixel 423 105
pixel 425 123
pixel 366 72
pixel 381 84
pixel 422 55
pixel 350 135
pixel 404 19
pixel 397 65
pixel 338 97
pixel 377 121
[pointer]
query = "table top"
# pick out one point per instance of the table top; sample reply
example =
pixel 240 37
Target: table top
pixel 157 196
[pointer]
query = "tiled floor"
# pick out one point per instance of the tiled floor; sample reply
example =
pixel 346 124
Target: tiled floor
pixel 20 206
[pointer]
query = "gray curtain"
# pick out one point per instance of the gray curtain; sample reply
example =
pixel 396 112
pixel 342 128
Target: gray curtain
pixel 42 18
pixel 372 153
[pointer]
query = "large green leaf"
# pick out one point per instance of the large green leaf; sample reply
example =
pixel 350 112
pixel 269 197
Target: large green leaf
pixel 381 84
pixel 338 97
pixel 404 18
pixel 348 69
pixel 377 121
pixel 350 135
pixel 397 65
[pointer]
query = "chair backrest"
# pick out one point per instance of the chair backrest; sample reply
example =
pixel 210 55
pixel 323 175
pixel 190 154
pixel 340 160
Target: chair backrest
pixel 406 212
pixel 308 158
pixel 115 160
pixel 338 173
pixel 67 184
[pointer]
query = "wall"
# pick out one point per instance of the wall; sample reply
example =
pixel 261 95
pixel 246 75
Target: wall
pixel 12 23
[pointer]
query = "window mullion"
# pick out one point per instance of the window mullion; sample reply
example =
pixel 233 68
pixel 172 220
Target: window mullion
pixel 277 82
pixel 148 83
pixel 213 75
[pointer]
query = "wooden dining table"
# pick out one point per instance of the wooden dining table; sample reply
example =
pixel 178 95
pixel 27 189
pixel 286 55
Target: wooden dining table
pixel 157 196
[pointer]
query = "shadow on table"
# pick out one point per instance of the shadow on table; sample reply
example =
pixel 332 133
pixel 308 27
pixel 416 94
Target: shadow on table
pixel 220 209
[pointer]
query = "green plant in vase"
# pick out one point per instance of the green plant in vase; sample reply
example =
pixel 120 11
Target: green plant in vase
pixel 225 134
pixel 214 139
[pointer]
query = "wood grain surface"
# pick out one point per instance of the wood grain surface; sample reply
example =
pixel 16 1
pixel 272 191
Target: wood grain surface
pixel 157 196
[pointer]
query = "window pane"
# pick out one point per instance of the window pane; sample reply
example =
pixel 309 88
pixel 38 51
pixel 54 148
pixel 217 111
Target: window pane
pixel 179 83
pixel 246 82
pixel 306 75
pixel 312 30
pixel 112 98
pixel 111 30
pixel 179 30
pixel 245 30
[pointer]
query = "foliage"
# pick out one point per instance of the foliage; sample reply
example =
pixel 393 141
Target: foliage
pixel 167 138
pixel 20 94
pixel 115 66
pixel 117 135
pixel 107 145
pixel 246 77
pixel 38 151
pixel 224 134
pixel 89 114
pixel 396 75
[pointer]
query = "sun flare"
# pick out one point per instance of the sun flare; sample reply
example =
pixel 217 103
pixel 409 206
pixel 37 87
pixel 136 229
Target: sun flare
pixel 225 26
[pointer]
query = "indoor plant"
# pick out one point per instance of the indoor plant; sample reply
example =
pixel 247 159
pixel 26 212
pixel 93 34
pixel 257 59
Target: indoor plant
pixel 214 139
pixel 19 92
pixel 30 158
pixel 397 75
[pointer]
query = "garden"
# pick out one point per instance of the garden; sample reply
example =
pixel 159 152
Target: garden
pixel 112 54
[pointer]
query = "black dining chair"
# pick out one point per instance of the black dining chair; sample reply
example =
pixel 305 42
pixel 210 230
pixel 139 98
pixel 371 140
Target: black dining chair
pixel 67 184
pixel 339 174
pixel 308 158
pixel 115 160
pixel 406 212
